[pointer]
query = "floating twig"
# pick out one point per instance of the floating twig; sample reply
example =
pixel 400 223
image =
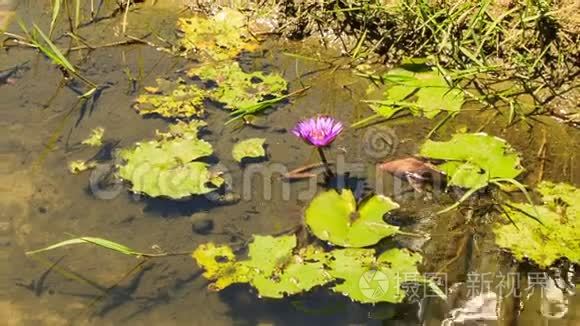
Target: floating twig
pixel 300 173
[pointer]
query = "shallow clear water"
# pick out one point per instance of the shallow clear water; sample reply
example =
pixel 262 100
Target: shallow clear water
pixel 42 203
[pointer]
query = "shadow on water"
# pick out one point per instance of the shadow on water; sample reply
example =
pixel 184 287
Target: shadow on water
pixel 89 106
pixel 177 290
pixel 316 308
pixel 168 208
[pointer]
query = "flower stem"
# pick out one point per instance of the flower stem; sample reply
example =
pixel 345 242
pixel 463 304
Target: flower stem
pixel 329 172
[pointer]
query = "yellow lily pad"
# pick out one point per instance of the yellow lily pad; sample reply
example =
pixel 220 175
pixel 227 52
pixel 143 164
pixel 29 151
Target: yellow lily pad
pixel 96 138
pixel 78 166
pixel 249 148
pixel 221 37
pixel 172 100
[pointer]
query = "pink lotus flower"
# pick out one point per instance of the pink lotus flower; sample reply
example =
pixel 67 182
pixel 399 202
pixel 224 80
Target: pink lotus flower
pixel 319 131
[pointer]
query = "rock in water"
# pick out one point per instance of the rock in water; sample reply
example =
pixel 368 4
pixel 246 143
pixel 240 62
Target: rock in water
pixel 203 227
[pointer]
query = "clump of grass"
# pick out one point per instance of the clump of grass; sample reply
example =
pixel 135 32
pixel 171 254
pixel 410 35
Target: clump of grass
pixel 36 38
pixel 525 41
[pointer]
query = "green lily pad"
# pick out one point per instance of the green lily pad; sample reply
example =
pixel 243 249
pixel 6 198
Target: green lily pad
pixel 334 217
pixel 474 159
pixel 370 280
pixel 557 237
pixel 272 267
pixel 465 174
pixel 276 269
pixel 237 89
pixel 96 138
pixel 172 100
pixel 422 93
pixel 221 37
pixel 166 167
pixel 249 148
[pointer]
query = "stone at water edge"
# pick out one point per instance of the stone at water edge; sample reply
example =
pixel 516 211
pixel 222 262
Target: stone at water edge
pixel 201 224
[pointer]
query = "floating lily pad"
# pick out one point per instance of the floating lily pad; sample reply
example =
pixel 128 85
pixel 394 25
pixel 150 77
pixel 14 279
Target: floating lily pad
pixel 271 267
pixel 249 148
pixel 78 166
pixel 237 89
pixel 172 100
pixel 276 269
pixel 368 279
pixel 221 37
pixel 182 129
pixel 334 217
pixel 96 138
pixel 221 266
pixel 557 237
pixel 422 93
pixel 166 167
pixel 474 159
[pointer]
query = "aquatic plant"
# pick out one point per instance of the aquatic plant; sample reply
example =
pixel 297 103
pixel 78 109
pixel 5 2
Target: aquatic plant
pixel 249 148
pixel 167 167
pixel 473 161
pixel 555 237
pixel 78 166
pixel 423 93
pixel 172 100
pixel 319 132
pixel 334 217
pixel 36 38
pixel 242 92
pixel 104 243
pixel 96 138
pixel 276 269
pixel 220 37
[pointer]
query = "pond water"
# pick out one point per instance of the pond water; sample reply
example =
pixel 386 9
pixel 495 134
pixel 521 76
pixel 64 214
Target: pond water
pixel 43 203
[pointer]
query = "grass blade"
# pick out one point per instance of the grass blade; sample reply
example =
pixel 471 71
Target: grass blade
pixel 457 203
pixel 56 4
pixel 77 13
pixel 54 51
pixel 522 188
pixel 92 240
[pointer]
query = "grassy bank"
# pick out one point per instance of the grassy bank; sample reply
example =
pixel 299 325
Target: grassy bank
pixel 533 44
